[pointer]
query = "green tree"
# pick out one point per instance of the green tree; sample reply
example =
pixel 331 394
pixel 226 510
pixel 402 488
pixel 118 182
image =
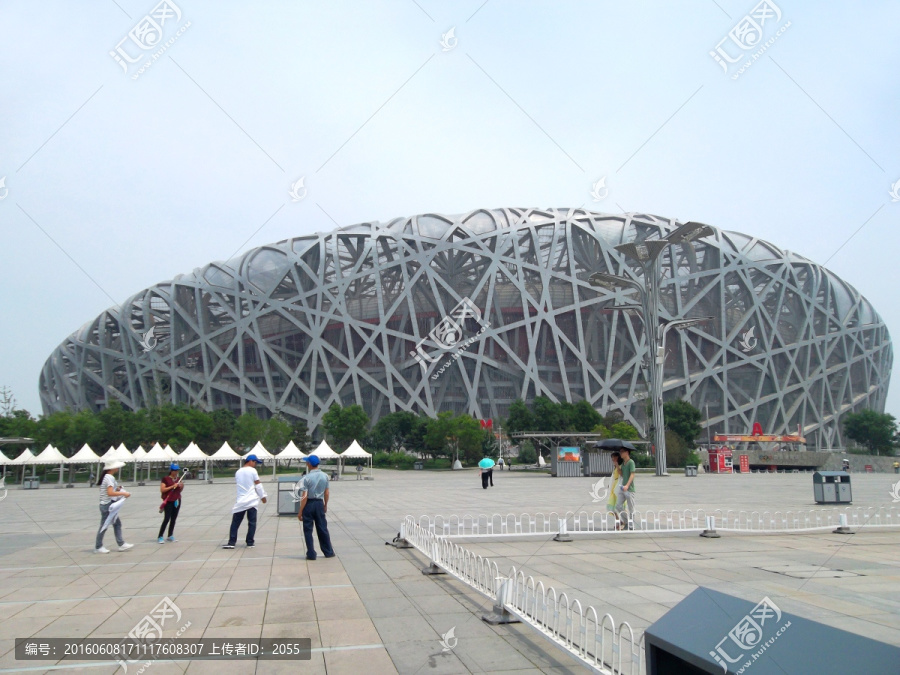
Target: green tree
pixel 876 431
pixel 300 436
pixel 223 422
pixel 276 435
pixel 676 450
pixel 440 438
pixel 390 433
pixel 520 417
pixel 583 417
pixel 548 416
pixel 624 431
pixel 684 419
pixel 247 430
pixel 344 425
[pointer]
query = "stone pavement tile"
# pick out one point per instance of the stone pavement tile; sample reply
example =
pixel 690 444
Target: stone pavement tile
pixel 341 609
pixel 71 626
pixel 348 632
pixel 243 598
pixel 315 666
pixel 654 593
pixel 425 657
pixel 325 594
pixel 387 607
pixel 302 610
pixel 445 604
pixel 352 662
pixel 490 653
pixel 368 591
pixel 238 632
pixel 237 615
pixel 190 601
pixel 299 629
pixel 404 629
pixel 282 597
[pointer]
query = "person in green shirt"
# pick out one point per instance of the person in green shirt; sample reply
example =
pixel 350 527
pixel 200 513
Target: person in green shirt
pixel 625 501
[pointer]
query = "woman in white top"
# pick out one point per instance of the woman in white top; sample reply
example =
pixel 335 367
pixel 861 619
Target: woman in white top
pixel 109 488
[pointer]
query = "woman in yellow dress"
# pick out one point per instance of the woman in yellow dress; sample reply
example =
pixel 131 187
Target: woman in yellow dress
pixel 616 475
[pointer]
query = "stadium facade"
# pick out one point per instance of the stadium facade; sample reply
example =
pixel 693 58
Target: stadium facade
pixel 469 312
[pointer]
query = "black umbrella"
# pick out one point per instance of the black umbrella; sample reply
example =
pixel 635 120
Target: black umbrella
pixel 615 444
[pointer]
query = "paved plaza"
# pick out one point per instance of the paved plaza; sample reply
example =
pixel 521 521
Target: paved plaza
pixel 370 610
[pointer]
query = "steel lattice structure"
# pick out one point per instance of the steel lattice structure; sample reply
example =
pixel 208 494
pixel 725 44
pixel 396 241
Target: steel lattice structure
pixel 468 313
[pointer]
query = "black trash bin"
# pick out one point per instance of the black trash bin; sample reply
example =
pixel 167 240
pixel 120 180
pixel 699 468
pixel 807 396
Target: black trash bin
pixel 832 487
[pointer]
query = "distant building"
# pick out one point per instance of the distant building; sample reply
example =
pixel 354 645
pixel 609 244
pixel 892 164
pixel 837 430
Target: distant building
pixel 469 312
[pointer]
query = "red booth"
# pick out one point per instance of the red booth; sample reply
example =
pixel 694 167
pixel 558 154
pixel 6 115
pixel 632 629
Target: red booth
pixel 720 460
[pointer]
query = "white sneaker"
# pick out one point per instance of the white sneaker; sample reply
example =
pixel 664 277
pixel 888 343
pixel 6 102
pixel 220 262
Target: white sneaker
pixel 102 549
pixel 125 547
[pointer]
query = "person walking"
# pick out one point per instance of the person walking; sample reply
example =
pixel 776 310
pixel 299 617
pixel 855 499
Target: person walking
pixel 250 493
pixel 625 503
pixel 110 491
pixel 486 466
pixel 313 507
pixel 170 488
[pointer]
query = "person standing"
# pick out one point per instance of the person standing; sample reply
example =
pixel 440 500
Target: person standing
pixel 613 500
pixel 313 507
pixel 110 490
pixel 170 488
pixel 625 502
pixel 500 463
pixel 250 493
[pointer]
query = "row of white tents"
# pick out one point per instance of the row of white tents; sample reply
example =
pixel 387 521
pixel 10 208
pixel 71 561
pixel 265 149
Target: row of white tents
pixel 192 453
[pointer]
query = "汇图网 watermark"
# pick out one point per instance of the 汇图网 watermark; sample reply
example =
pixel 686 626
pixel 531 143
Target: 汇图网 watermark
pixel 747 35
pixel 448 334
pixel 148 34
pixel 150 628
pixel 748 633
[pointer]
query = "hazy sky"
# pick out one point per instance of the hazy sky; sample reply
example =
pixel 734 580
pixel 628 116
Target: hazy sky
pixel 116 180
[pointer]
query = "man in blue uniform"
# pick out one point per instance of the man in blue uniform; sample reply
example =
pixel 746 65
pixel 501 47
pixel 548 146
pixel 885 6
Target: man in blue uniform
pixel 313 507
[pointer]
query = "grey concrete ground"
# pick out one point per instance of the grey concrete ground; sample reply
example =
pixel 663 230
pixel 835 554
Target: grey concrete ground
pixel 370 610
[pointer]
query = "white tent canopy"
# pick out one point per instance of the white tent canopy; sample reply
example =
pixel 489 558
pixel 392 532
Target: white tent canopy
pixel 193 453
pixel 156 454
pixel 109 455
pixel 324 451
pixel 123 454
pixel 260 451
pixel 84 456
pixel 355 450
pixel 4 460
pixel 139 455
pixel 23 459
pixel 291 451
pixel 49 455
pixel 225 453
pixel 170 452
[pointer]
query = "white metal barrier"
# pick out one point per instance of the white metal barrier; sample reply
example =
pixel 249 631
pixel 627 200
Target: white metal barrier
pixel 579 630
pixel 604 522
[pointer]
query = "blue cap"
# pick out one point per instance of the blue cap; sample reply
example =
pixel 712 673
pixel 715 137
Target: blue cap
pixel 252 458
pixel 313 460
pixel 174 467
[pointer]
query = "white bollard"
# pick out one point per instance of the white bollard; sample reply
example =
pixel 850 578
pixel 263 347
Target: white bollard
pixel 710 531
pixel 843 528
pixel 563 531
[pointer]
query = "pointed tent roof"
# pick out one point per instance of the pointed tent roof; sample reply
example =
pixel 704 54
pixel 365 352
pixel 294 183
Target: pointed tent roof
pixel 139 454
pixel 4 459
pixel 324 452
pixel 225 452
pixel 123 454
pixel 109 455
pixel 170 452
pixel 290 451
pixel 260 451
pixel 50 455
pixel 25 458
pixel 355 450
pixel 157 454
pixel 84 456
pixel 192 453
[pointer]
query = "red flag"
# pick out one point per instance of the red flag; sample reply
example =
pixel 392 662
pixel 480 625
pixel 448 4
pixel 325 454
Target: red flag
pixel 487 424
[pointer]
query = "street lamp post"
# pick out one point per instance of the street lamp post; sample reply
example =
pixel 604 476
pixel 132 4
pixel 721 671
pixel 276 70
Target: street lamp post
pixel 647 254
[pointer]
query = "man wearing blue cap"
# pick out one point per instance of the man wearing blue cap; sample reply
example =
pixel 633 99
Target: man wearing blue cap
pixel 249 493
pixel 313 507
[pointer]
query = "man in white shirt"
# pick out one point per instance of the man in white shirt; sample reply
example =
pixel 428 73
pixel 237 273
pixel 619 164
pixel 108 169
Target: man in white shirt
pixel 249 494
